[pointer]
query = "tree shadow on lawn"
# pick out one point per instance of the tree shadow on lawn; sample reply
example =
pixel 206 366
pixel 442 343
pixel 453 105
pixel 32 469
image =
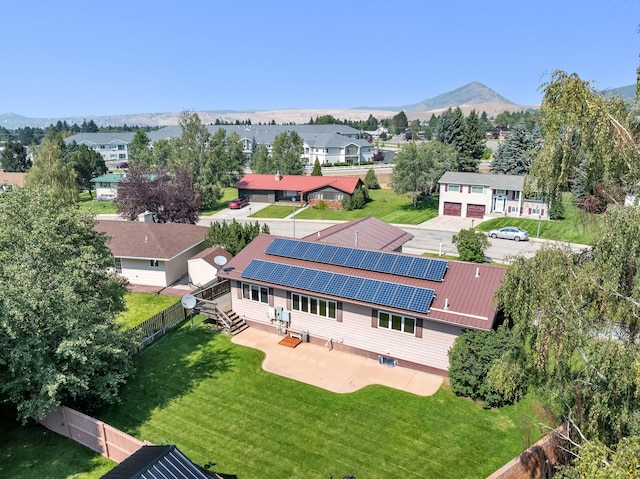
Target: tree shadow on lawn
pixel 187 358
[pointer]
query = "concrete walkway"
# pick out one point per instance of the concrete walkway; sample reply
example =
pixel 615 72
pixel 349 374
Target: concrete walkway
pixel 333 370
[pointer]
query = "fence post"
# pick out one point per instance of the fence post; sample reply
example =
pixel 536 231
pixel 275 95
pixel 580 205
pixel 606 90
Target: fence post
pixel 164 324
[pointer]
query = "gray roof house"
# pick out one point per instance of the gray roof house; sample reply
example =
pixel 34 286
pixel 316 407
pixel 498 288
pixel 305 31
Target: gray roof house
pixel 480 195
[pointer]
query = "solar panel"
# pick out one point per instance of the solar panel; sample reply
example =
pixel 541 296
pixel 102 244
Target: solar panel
pixel 351 287
pixel 421 301
pixel 403 296
pixel 355 258
pixel 368 291
pixel 386 262
pixel 390 263
pixel 372 291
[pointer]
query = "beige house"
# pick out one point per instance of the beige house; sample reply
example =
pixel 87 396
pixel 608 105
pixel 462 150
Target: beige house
pixel 203 267
pixel 480 195
pixel 153 254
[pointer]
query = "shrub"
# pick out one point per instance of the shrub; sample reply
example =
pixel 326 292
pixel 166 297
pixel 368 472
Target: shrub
pixel 371 180
pixel 320 205
pixel 471 245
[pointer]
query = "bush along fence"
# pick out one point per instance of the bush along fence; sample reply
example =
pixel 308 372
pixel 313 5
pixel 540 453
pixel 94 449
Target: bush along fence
pixel 163 322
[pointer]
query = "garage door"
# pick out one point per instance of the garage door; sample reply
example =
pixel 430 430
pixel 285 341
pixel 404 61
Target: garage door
pixel 452 209
pixel 475 211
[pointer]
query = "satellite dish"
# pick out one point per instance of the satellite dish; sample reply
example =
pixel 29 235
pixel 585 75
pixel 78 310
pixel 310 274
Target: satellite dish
pixel 220 260
pixel 188 301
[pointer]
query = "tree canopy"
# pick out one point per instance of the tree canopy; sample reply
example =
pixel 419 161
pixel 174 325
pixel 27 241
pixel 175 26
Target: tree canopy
pixel 59 341
pixel 14 157
pixel 418 168
pixel 86 162
pixel 516 154
pixel 233 236
pixel 287 149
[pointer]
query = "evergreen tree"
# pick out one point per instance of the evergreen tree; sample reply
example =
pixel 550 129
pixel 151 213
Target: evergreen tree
pixel 516 154
pixel 371 180
pixel 474 141
pixel 14 157
pixel 317 171
pixel 287 148
pixel 450 131
pixel 140 152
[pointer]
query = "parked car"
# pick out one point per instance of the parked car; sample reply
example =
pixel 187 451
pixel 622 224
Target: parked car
pixel 238 203
pixel 510 232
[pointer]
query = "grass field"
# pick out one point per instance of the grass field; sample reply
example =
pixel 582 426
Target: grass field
pixel 577 226
pixel 142 306
pixel 385 205
pixel 210 397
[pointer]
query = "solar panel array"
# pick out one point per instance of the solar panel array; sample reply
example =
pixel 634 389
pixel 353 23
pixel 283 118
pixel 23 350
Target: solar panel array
pixel 380 262
pixel 382 293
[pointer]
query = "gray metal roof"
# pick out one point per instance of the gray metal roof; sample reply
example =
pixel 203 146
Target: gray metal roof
pixel 101 138
pixel 505 182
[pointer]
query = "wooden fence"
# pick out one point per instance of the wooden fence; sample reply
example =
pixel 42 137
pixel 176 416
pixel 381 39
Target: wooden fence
pixel 163 322
pixel 97 435
pixel 538 461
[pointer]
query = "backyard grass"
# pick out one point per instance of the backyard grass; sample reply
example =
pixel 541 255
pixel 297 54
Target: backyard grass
pixel 228 194
pixel 142 306
pixel 384 205
pixel 97 207
pixel 576 227
pixel 197 389
pixel 33 451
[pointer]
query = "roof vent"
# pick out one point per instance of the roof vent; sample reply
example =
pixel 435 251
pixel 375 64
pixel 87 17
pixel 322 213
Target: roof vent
pixel 446 304
pixel 146 239
pixel 478 272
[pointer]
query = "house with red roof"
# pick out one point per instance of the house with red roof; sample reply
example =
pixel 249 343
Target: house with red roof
pixel 298 188
pixel 399 309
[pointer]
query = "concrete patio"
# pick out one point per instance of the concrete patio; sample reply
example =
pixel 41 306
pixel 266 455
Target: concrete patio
pixel 333 370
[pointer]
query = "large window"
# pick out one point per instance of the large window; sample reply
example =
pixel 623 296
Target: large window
pixel 255 293
pixel 454 188
pixel 397 322
pixel 477 189
pixel 311 305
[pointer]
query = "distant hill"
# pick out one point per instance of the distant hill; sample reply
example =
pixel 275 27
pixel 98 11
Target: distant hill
pixel 625 92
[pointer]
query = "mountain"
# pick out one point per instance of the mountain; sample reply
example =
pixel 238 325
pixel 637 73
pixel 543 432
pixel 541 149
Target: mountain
pixel 625 92
pixel 472 96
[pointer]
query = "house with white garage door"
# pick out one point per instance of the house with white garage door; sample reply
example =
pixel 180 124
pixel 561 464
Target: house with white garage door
pixel 480 195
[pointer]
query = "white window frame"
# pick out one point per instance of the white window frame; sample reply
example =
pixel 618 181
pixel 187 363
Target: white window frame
pixel 477 189
pixel 118 265
pixel 154 263
pixel 253 292
pixel 397 322
pixel 453 188
pixel 316 306
pixel 501 192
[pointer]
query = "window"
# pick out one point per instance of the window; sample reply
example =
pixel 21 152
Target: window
pixel 118 263
pixel 255 293
pixel 516 195
pixel 477 189
pixel 122 156
pixel 153 263
pixel 396 322
pixel 454 188
pixel 319 196
pixel 120 147
pixel 311 305
pixel 501 192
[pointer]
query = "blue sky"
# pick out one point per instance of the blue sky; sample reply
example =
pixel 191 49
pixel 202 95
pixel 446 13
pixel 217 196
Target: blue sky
pixel 72 58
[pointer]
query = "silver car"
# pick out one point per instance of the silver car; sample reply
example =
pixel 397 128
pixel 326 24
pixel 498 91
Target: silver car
pixel 510 232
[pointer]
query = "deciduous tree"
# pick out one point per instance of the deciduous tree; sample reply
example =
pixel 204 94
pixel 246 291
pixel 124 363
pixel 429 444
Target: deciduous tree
pixel 59 341
pixel 86 162
pixel 471 245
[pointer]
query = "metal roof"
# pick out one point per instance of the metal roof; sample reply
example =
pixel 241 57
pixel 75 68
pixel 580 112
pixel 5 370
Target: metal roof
pixel 464 298
pixel 368 233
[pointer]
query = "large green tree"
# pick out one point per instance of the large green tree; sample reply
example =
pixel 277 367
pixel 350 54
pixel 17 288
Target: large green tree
pixel 516 154
pixel 50 170
pixel 14 157
pixel 59 341
pixel 287 149
pixel 450 131
pixel 474 140
pixel 86 162
pixel 140 152
pixel 588 137
pixel 418 168
pixel 262 162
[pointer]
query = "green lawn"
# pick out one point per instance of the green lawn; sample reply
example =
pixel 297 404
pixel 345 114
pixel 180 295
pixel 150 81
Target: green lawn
pixel 385 205
pixel 97 207
pixel 141 306
pixel 228 194
pixel 198 390
pixel 577 226
pixel 34 451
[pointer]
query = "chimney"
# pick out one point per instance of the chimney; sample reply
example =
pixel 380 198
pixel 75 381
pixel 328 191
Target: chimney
pixel 278 175
pixel 146 217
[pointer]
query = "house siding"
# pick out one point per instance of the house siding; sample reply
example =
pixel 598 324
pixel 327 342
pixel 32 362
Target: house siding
pixel 140 271
pixel 200 272
pixel 178 266
pixel 358 331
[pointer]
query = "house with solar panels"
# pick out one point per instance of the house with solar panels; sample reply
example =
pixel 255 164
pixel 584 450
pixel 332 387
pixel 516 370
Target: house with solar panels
pixel 396 308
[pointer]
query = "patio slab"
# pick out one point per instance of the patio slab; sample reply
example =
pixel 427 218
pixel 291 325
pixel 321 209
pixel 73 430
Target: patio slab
pixel 333 370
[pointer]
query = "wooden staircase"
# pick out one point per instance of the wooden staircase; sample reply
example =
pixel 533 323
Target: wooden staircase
pixel 227 320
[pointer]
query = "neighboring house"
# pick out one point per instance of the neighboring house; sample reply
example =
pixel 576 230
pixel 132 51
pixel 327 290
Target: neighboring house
pixel 298 189
pixel 326 143
pixel 157 462
pixel 367 302
pixel 8 179
pixel 113 147
pixel 107 186
pixel 203 267
pixel 367 233
pixel 152 254
pixel 478 195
